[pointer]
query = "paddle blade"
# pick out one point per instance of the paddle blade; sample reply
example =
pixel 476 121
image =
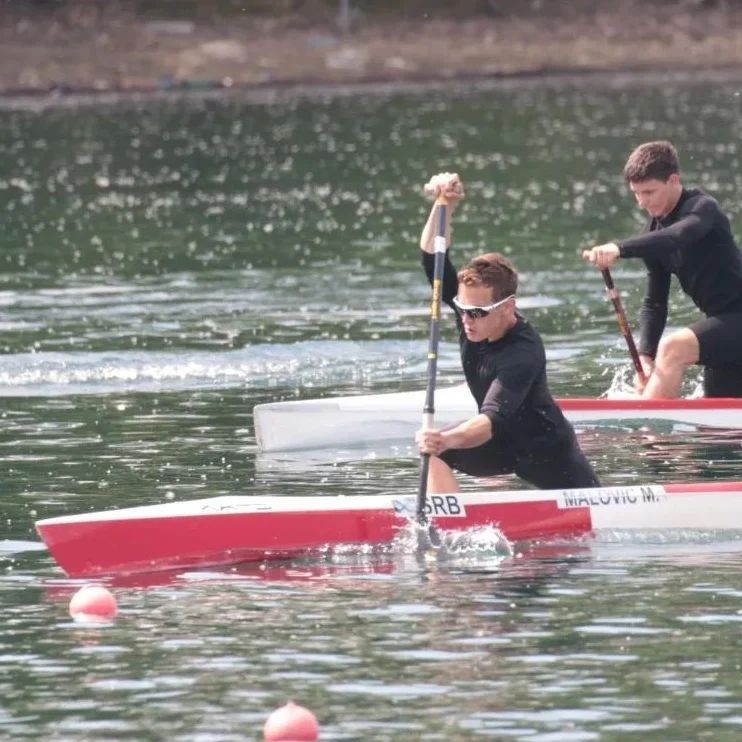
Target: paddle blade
pixel 428 538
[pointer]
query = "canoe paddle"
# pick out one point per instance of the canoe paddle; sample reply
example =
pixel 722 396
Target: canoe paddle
pixel 623 324
pixel 439 248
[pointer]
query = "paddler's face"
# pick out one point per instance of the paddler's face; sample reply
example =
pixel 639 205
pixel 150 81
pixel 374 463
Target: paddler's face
pixel 497 322
pixel 657 197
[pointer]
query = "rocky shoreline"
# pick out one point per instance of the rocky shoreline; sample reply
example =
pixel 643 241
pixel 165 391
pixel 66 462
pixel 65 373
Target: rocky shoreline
pixel 111 52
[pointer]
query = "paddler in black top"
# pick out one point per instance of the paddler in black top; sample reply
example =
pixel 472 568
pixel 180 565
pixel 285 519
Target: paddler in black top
pixel 519 428
pixel 689 236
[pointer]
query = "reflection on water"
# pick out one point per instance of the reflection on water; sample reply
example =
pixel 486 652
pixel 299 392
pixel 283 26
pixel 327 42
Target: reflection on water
pixel 168 264
pixel 682 454
pixel 575 629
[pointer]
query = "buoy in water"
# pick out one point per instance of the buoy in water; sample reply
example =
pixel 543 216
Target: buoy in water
pixel 291 723
pixel 93 603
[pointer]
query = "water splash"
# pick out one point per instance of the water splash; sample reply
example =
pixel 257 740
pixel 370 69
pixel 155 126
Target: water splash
pixel 622 384
pixel 476 545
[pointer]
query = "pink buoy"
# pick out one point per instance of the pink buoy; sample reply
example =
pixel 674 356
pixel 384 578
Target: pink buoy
pixel 93 603
pixel 291 723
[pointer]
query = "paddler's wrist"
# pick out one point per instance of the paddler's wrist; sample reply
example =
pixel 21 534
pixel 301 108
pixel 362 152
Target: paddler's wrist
pixel 450 439
pixel 622 252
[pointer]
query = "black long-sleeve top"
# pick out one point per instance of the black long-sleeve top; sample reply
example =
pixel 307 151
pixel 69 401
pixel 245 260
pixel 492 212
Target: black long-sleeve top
pixel 507 379
pixel 695 243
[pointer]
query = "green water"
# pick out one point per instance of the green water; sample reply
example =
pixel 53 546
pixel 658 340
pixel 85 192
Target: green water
pixel 167 264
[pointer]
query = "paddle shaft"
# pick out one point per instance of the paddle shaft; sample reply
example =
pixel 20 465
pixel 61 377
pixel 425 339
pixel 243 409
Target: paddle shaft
pixel 623 324
pixel 435 314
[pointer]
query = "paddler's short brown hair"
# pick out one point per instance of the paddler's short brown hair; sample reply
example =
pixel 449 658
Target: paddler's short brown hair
pixel 652 161
pixel 492 270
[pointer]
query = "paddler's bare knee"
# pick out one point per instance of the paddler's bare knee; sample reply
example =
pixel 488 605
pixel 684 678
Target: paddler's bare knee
pixel 675 353
pixel 679 349
pixel 441 478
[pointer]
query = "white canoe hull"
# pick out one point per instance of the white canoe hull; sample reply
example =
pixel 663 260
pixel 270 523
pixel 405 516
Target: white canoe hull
pixel 363 419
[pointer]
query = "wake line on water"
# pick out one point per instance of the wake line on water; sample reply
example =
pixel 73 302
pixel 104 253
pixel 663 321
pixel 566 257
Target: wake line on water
pixel 309 364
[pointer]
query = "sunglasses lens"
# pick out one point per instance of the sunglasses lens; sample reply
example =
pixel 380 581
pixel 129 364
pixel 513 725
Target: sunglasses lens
pixel 479 312
pixel 476 313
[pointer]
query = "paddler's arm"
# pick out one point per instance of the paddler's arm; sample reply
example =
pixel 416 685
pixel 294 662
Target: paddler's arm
pixel 683 234
pixel 653 311
pixel 652 318
pixel 471 433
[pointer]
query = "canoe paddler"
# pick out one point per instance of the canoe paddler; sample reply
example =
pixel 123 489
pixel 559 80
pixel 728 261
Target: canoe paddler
pixel 690 237
pixel 519 427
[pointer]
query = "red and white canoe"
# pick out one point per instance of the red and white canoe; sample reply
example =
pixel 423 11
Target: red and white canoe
pixel 372 418
pixel 233 529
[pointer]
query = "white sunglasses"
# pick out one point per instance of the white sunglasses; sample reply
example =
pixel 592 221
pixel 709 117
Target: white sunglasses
pixel 472 311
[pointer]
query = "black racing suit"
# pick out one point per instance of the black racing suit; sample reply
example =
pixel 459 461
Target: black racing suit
pixel 695 243
pixel 507 379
